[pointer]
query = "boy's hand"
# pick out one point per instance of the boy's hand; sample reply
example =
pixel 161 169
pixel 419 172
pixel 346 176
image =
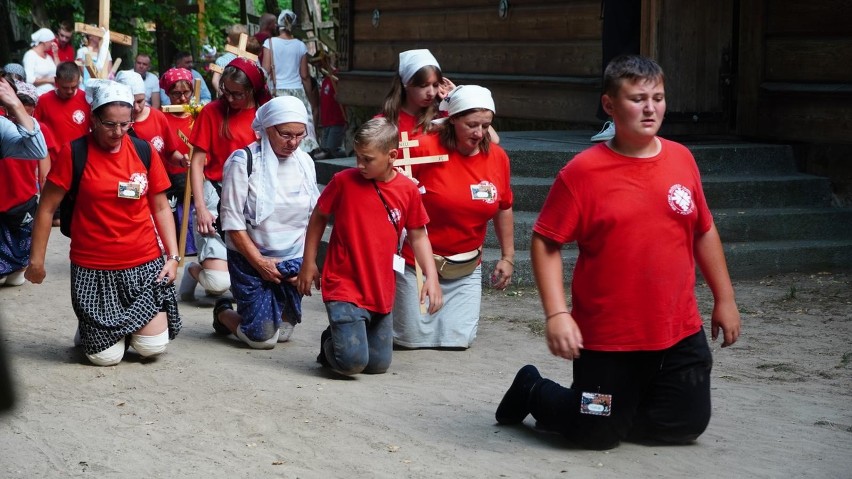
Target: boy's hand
pixel 432 289
pixel 35 273
pixel 563 336
pixel 309 274
pixel 727 317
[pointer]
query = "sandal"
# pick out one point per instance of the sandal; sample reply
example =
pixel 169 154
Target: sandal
pixel 221 305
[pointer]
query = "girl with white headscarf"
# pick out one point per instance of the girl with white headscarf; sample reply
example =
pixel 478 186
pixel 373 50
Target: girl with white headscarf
pixel 269 190
pixel 39 66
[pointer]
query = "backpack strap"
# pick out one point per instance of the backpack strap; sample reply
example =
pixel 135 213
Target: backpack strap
pixel 79 155
pixel 248 160
pixel 143 149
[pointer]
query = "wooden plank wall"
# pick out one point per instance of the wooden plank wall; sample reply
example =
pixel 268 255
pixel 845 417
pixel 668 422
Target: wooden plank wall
pixel 542 61
pixel 796 70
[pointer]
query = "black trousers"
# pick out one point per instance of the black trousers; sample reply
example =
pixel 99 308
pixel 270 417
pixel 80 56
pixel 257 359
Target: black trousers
pixel 658 395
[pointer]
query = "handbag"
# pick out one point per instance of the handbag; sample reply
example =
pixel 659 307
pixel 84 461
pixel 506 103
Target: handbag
pixel 457 265
pixel 21 215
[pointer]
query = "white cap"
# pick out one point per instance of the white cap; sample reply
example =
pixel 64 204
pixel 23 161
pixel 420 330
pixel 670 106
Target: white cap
pixel 410 61
pixel 131 79
pixel 466 97
pixel 100 92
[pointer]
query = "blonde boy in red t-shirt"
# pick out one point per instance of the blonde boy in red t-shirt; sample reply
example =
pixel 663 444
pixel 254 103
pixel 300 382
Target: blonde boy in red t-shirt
pixel 636 208
pixel 371 205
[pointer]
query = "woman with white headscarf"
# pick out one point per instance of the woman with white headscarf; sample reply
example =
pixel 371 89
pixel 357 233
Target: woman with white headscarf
pixel 461 196
pixel 285 57
pixel 122 286
pixel 269 190
pixel 39 66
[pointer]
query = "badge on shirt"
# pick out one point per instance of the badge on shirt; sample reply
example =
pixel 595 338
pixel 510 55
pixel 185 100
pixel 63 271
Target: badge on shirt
pixel 596 404
pixel 399 264
pixel 129 190
pixel 484 191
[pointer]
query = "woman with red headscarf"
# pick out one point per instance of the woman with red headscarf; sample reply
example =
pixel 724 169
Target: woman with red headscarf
pixel 223 126
pixel 178 84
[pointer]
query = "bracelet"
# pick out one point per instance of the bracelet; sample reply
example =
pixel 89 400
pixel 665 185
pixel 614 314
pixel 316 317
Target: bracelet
pixel 510 262
pixel 555 314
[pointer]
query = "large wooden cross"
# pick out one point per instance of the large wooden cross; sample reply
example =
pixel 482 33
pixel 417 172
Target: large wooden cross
pixel 239 50
pixel 103 23
pixel 187 190
pixel 405 162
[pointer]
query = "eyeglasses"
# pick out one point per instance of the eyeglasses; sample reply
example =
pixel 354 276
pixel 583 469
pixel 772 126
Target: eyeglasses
pixel 111 125
pixel 234 95
pixel 180 94
pixel 289 136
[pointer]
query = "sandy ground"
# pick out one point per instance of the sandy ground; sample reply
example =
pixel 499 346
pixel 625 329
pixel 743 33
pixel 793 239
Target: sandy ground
pixel 212 408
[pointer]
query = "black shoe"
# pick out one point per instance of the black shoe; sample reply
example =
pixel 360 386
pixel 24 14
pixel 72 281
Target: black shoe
pixel 221 305
pixel 515 404
pixel 321 356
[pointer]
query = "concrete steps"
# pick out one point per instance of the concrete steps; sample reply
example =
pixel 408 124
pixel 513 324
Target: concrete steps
pixel 772 219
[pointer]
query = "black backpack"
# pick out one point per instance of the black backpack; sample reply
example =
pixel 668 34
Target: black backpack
pixel 79 155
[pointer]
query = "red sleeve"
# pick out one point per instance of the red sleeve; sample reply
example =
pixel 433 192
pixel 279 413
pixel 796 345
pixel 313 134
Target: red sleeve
pixel 49 140
pixel 559 215
pixel 328 200
pixel 158 179
pixel 203 130
pixel 61 169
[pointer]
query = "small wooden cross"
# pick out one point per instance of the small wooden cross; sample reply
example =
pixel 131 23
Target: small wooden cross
pixel 103 23
pixel 406 161
pixel 196 98
pixel 239 50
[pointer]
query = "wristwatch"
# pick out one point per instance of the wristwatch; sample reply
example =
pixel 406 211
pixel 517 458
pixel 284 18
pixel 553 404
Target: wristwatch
pixel 175 257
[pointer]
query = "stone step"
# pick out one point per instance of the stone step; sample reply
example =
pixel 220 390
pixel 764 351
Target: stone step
pixel 735 225
pixel 795 190
pixel 746 260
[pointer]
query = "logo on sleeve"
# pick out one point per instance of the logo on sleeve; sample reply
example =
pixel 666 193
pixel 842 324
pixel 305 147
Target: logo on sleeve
pixel 78 116
pixel 680 199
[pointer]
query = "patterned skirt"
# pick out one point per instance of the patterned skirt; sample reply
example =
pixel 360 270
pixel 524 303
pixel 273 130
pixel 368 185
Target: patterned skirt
pixel 112 304
pixel 14 247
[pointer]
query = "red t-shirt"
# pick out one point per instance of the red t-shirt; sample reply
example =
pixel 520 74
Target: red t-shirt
pixel 206 134
pixel 156 130
pixel 359 261
pixel 635 222
pixel 67 119
pixel 330 112
pixel 50 140
pixel 461 195
pixel 66 53
pixel 21 182
pixel 110 232
pixel 183 124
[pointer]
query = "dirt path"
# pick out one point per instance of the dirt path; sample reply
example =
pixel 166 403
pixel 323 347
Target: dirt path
pixel 212 408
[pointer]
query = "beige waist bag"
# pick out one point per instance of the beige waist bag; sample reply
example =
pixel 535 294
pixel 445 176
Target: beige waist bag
pixel 457 265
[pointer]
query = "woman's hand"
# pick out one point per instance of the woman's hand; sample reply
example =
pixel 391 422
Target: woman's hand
pixel 168 273
pixel 204 221
pixel 35 273
pixel 502 274
pixel 445 88
pixel 268 269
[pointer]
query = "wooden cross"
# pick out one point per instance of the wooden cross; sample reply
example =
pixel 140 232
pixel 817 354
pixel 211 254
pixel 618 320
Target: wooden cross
pixel 103 23
pixel 196 98
pixel 187 190
pixel 406 161
pixel 239 50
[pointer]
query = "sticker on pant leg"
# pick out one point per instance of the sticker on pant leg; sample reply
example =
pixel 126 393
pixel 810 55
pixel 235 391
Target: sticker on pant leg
pixel 596 404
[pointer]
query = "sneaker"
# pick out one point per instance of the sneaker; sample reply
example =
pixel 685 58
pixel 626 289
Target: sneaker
pixel 221 305
pixel 607 133
pixel 514 407
pixel 187 284
pixel 16 278
pixel 285 331
pixel 321 357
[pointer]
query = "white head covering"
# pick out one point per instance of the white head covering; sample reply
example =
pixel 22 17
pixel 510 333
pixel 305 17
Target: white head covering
pixel 27 90
pixel 100 92
pixel 42 35
pixel 466 97
pixel 16 68
pixel 131 79
pixel 412 60
pixel 279 110
pixel 286 18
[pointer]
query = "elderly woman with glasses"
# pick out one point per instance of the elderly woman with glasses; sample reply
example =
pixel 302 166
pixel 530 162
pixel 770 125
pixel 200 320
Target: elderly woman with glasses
pixel 122 286
pixel 223 126
pixel 269 190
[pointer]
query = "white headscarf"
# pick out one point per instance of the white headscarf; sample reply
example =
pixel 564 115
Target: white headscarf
pixel 466 97
pixel 100 92
pixel 131 79
pixel 412 60
pixel 279 110
pixel 286 19
pixel 42 35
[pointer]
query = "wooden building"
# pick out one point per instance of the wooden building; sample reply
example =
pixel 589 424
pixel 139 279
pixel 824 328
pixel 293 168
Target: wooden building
pixel 761 69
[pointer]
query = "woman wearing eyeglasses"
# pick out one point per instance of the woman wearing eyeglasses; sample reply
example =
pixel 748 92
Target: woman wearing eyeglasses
pixel 223 126
pixel 268 192
pixel 122 287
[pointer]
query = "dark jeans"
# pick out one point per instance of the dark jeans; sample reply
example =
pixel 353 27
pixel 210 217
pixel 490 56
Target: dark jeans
pixel 658 395
pixel 361 340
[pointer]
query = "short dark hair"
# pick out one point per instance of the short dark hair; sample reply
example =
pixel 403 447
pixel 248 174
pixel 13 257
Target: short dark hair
pixel 67 71
pixel 181 55
pixel 630 68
